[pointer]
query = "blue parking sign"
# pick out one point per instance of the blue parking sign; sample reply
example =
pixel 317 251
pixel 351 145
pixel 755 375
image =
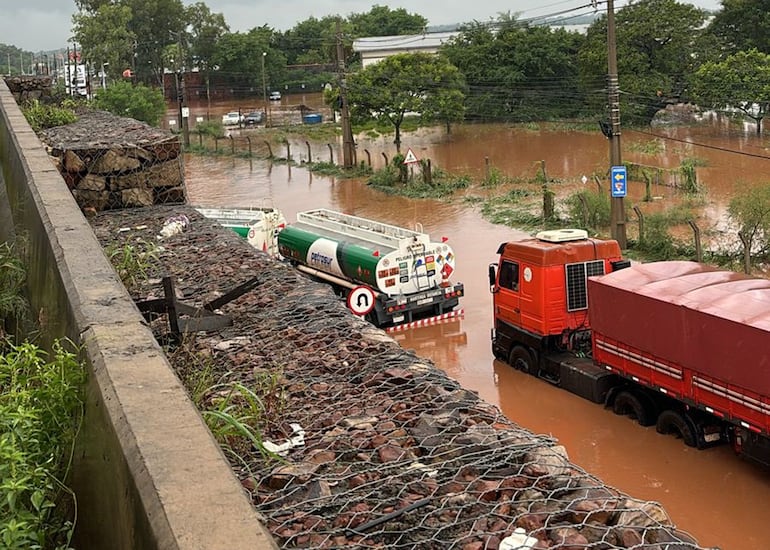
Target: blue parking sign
pixel 618 181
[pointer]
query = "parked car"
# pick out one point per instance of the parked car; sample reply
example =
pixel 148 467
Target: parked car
pixel 255 117
pixel 232 118
pixel 275 96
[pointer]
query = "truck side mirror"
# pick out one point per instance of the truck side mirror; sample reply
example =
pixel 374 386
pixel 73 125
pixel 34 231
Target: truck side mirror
pixel 492 277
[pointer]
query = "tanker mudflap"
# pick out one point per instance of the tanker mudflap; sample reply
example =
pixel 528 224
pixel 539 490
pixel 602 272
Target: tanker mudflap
pixel 434 320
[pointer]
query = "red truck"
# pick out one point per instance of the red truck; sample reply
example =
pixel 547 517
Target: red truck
pixel 676 344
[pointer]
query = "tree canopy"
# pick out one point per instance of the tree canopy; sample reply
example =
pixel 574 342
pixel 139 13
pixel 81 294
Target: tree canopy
pixel 741 81
pixel 657 44
pixel 517 72
pixel 742 25
pixel 427 85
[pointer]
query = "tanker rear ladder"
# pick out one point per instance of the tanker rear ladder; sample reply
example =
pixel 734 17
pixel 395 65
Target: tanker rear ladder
pixel 361 229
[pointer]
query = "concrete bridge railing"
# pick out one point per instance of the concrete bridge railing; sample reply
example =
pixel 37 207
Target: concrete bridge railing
pixel 147 472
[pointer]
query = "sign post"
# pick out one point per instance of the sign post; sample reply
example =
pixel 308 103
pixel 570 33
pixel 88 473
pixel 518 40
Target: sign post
pixel 618 181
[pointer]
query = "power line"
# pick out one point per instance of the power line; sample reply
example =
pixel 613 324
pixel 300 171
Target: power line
pixel 706 145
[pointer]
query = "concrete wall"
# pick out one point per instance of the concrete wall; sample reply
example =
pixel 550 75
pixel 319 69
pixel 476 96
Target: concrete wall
pixel 147 472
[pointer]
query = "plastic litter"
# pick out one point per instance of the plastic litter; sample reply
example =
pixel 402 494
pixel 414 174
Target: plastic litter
pixel 296 440
pixel 174 225
pixel 519 540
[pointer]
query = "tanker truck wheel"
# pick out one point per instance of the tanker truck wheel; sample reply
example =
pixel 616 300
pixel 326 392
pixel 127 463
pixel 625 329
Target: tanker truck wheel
pixel 673 422
pixel 636 406
pixel 521 359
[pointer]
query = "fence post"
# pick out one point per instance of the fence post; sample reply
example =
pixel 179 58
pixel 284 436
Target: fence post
pixel 248 140
pixel 696 236
pixel 746 252
pixel 288 151
pixel 486 169
pixel 386 158
pixel 584 203
pixel 269 150
pixel 232 145
pixel 368 157
pixel 309 156
pixel 331 153
pixel 641 223
pixel 598 184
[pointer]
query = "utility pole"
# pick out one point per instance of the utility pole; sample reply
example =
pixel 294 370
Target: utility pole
pixel 184 111
pixel 348 151
pixel 617 207
pixel 264 87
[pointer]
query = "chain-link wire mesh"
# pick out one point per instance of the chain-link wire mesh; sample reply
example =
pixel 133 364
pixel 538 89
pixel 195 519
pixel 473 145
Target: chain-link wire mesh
pixel 344 439
pixel 111 162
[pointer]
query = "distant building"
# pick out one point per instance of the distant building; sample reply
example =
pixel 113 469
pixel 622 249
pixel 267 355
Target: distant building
pixel 376 48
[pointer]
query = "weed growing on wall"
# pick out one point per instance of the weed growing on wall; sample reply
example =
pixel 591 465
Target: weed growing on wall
pixel 13 276
pixel 40 412
pixel 132 262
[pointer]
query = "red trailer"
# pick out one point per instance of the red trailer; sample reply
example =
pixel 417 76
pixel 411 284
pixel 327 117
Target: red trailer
pixel 680 345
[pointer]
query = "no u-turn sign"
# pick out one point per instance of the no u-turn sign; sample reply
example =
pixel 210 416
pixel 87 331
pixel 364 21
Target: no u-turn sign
pixel 361 300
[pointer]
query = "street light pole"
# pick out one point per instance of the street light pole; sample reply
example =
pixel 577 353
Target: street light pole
pixel 264 86
pixel 617 207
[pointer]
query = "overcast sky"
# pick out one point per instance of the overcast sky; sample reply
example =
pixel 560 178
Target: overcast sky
pixel 41 25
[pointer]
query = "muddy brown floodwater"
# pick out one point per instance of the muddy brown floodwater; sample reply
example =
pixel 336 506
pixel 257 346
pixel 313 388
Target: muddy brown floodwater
pixel 717 497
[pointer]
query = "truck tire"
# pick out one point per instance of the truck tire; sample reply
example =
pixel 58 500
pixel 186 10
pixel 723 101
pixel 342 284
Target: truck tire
pixel 673 422
pixel 638 407
pixel 521 359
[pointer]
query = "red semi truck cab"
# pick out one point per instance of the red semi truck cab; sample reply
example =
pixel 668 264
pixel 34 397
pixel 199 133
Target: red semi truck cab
pixel 540 294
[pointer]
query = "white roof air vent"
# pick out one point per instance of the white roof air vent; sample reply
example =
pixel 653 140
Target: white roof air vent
pixel 562 235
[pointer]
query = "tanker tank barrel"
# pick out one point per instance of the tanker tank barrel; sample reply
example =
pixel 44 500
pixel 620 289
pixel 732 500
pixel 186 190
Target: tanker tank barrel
pixel 361 229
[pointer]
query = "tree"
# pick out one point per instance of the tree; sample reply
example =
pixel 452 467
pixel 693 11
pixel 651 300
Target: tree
pixel 750 209
pixel 104 37
pixel 420 83
pixel 239 58
pixel 382 21
pixel 741 81
pixel 657 47
pixel 742 25
pixel 133 101
pixel 153 25
pixel 205 29
pixel 517 72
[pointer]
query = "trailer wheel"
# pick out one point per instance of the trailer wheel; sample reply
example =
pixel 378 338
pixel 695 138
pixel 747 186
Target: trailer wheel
pixel 521 359
pixel 630 404
pixel 672 422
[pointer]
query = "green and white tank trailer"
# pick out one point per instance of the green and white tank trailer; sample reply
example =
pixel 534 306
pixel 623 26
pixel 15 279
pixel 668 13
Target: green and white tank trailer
pixel 408 273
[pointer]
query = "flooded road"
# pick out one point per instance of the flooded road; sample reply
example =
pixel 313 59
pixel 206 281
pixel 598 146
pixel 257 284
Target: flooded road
pixel 718 498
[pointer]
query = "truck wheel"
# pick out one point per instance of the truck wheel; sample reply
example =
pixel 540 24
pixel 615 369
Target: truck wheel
pixel 630 404
pixel 672 422
pixel 521 359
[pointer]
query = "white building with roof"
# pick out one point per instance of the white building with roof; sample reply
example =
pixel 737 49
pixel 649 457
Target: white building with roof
pixel 375 48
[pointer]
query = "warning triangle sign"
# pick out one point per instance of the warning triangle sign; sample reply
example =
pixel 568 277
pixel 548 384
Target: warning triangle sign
pixel 410 157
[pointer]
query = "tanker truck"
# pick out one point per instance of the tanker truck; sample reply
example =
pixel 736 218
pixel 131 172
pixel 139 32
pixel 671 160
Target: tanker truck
pixel 678 345
pixel 389 275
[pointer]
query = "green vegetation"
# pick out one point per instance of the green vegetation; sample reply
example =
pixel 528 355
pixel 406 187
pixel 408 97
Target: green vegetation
pixel 134 101
pixel 408 83
pixel 13 278
pixel 397 179
pixel 40 413
pixel 44 115
pixel 739 81
pixel 132 262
